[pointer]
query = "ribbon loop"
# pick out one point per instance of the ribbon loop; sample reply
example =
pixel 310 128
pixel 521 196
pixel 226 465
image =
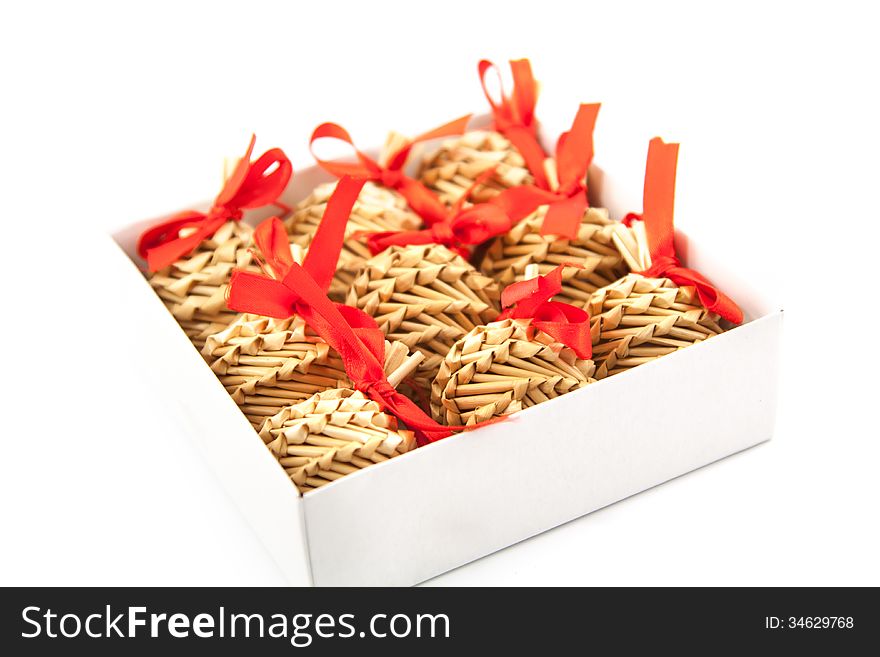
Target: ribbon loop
pixel 574 150
pixel 365 167
pixel 568 202
pixel 530 299
pixel 422 200
pixel 273 242
pixel 251 185
pixel 514 115
pixel 469 227
pixel 518 109
pixel 659 204
pixel 462 228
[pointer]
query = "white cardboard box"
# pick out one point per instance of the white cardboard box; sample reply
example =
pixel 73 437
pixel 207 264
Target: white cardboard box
pixel 441 506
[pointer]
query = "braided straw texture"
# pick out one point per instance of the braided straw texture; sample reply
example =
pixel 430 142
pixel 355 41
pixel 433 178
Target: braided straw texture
pixel 594 249
pixel 194 287
pixel 451 170
pixel 501 368
pixel 332 434
pixel 426 297
pixel 377 209
pixel 266 364
pixel 637 319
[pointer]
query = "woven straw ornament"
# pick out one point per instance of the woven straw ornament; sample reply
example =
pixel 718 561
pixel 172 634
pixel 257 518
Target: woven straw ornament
pixel 595 249
pixel 501 368
pixel 266 364
pixel 377 209
pixel 426 297
pixel 332 434
pixel 637 319
pixel 452 170
pixel 194 287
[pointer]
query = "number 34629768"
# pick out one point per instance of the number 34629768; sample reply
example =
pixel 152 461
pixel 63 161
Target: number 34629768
pixel 811 622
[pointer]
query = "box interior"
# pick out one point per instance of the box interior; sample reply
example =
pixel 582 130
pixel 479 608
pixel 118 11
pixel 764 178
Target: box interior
pixel 305 534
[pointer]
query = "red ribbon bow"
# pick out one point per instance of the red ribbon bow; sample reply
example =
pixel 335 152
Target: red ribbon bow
pixel 574 152
pixel 514 115
pixel 463 228
pixel 421 199
pixel 471 226
pixel 251 185
pixel 302 290
pixel 659 204
pixel 530 299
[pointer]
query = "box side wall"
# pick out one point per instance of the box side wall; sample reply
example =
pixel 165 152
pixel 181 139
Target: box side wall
pixel 450 503
pixel 246 469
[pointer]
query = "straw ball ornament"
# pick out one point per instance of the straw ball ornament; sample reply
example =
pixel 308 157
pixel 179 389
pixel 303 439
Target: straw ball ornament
pixel 501 368
pixel 377 209
pixel 194 287
pixel 594 248
pixel 638 319
pixel 266 364
pixel 427 297
pixel 452 170
pixel 331 434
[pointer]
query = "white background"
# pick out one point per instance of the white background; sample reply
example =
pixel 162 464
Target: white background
pixel 111 113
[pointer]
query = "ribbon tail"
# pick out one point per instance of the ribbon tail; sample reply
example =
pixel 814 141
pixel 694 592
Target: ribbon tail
pixel 574 152
pixel 564 217
pixel 526 143
pixel 425 428
pixel 659 197
pixel 236 179
pixel 272 241
pixel 454 127
pixel 722 304
pixel 167 231
pixel 162 255
pixel 519 202
pixel 710 297
pixel 422 200
pixel 397 160
pixel 378 242
pixel 320 261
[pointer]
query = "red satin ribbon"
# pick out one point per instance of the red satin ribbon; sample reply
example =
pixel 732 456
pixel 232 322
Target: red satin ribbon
pixel 567 204
pixel 273 243
pixel 464 227
pixel 514 115
pixel 302 290
pixel 251 185
pixel 351 332
pixel 530 299
pixel 659 203
pixel 421 199
pixel 471 226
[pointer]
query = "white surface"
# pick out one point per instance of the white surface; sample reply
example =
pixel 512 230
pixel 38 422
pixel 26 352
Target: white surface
pixel 106 107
